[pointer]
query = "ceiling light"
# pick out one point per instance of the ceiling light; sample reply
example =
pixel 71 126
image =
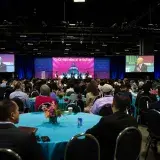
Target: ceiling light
pixel 104 45
pixel 35 49
pixel 23 36
pixel 78 0
pixel 65 53
pixel 68 44
pixel 30 44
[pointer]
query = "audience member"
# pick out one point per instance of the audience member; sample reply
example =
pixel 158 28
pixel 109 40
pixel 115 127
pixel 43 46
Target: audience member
pixel 20 104
pixel 146 92
pixel 92 93
pixel 107 130
pixel 156 105
pixel 18 93
pixel 4 83
pixel 106 99
pixel 11 137
pixel 44 96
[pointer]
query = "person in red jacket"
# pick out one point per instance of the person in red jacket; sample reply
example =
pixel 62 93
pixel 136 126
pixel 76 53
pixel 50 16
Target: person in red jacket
pixel 44 97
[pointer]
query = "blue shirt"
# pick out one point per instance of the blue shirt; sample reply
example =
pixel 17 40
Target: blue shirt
pixel 21 95
pixel 99 103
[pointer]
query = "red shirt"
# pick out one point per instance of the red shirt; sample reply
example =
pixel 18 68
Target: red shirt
pixel 42 99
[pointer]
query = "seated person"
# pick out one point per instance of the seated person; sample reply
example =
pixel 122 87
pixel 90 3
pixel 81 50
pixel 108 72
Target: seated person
pixel 44 97
pixel 156 105
pixel 146 92
pixel 11 137
pixel 108 128
pixel 20 104
pixel 18 93
pixel 106 99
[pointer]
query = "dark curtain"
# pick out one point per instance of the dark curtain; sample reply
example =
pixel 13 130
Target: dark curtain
pixel 157 67
pixel 24 66
pixel 117 67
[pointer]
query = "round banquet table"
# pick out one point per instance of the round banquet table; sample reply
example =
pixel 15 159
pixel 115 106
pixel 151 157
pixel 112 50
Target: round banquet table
pixel 60 133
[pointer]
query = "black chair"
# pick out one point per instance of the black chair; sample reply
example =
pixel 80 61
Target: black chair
pixel 96 98
pixel 69 93
pixel 2 91
pixel 153 121
pixel 128 144
pixel 8 154
pixel 106 110
pixel 82 147
pixel 143 107
pixel 75 107
pixel 20 104
pixel 47 105
pixel 81 104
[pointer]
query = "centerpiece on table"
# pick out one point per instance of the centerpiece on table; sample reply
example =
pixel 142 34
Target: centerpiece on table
pixel 52 113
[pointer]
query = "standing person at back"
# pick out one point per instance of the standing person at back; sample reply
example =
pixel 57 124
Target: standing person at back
pixel 108 128
pixel 11 137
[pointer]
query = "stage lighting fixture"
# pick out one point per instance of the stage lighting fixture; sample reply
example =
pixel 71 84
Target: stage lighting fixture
pixel 79 1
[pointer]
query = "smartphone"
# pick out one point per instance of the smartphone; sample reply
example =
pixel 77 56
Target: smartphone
pixel 45 139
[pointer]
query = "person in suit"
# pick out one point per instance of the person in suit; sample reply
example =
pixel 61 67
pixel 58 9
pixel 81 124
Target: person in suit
pixel 108 128
pixel 3 67
pixel 11 137
pixel 140 66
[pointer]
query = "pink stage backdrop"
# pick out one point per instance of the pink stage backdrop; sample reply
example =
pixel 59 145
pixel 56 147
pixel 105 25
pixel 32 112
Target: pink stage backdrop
pixel 77 66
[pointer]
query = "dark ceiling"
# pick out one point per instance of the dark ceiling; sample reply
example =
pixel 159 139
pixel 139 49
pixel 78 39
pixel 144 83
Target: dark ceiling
pixel 97 27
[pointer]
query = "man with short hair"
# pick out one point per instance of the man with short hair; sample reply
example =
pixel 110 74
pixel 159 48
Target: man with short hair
pixel 106 99
pixel 108 128
pixel 11 137
pixel 18 93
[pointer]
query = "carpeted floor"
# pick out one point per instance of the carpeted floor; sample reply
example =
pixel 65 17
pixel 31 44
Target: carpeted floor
pixel 151 155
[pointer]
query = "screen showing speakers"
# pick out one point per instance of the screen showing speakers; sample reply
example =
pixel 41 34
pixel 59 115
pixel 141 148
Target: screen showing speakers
pixel 7 63
pixel 139 64
pixel 72 67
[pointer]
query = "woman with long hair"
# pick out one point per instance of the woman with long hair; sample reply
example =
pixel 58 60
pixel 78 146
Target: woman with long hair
pixel 92 93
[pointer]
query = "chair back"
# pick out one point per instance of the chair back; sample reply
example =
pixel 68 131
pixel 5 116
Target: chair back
pixel 82 147
pixel 47 105
pixel 143 103
pixel 75 107
pixel 73 97
pixel 9 154
pixel 2 92
pixel 106 110
pixel 153 121
pixel 128 144
pixel 69 93
pixel 96 98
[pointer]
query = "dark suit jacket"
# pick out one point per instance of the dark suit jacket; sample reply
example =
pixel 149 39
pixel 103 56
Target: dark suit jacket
pixel 143 68
pixel 3 68
pixel 155 105
pixel 21 142
pixel 107 130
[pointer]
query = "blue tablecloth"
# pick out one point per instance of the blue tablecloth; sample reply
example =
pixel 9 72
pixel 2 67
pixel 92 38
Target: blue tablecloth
pixel 60 133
